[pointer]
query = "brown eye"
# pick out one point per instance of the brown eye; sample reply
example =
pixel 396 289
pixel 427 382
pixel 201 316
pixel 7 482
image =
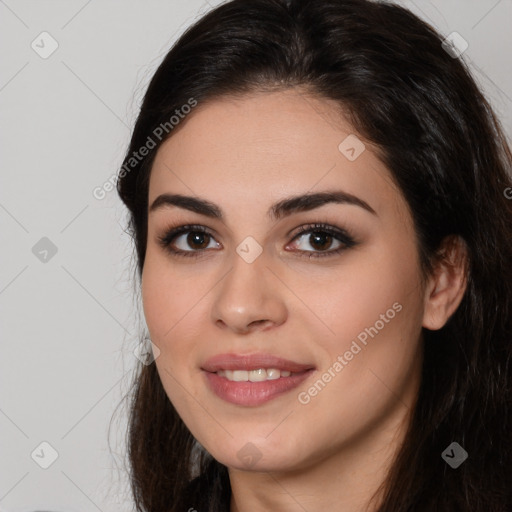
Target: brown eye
pixel 320 241
pixel 187 240
pixel 317 240
pixel 198 240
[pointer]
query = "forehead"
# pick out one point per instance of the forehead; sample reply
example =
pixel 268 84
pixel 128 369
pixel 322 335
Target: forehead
pixel 258 148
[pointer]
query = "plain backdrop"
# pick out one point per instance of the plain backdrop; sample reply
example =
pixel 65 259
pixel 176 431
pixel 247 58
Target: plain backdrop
pixel 69 316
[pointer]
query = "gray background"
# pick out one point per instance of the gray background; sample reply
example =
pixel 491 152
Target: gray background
pixel 69 323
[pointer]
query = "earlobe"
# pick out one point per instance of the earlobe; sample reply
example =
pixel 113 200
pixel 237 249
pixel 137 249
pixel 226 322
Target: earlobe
pixel 447 284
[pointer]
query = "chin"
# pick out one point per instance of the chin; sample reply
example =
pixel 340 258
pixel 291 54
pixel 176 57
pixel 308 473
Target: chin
pixel 259 454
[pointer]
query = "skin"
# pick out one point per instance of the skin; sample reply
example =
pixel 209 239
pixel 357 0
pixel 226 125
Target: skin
pixel 244 154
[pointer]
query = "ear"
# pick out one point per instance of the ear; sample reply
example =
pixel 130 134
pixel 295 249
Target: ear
pixel 447 284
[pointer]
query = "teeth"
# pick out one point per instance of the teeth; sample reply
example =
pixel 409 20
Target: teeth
pixel 240 375
pixel 259 375
pixel 273 374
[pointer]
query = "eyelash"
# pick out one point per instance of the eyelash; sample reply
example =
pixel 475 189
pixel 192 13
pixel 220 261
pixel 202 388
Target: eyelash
pixel 341 235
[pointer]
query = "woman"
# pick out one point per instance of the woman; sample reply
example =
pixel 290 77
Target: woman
pixel 317 195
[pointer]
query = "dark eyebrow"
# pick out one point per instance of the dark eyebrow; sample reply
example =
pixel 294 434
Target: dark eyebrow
pixel 306 202
pixel 300 203
pixel 193 204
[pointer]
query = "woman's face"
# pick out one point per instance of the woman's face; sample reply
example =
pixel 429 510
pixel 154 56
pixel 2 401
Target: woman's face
pixel 280 349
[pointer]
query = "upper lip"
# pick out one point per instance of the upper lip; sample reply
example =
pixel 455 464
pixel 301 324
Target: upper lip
pixel 252 362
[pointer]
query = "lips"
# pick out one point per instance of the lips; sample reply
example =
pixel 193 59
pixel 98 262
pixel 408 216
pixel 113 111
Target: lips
pixel 252 362
pixel 230 377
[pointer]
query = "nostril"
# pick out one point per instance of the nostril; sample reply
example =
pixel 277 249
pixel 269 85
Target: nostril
pixel 259 323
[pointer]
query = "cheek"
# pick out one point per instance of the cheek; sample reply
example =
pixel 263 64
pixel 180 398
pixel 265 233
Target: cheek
pixel 168 310
pixel 175 317
pixel 350 297
pixel 165 297
pixel 374 314
pixel 362 384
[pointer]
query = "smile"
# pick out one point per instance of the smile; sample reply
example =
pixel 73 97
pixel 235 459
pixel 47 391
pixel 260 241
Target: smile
pixel 258 375
pixel 252 380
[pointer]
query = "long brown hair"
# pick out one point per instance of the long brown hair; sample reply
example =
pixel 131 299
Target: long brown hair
pixel 402 90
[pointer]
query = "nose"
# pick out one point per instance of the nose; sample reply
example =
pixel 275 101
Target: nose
pixel 249 298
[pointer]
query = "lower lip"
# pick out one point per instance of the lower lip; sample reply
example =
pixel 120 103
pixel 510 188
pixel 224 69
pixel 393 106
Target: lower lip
pixel 253 393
